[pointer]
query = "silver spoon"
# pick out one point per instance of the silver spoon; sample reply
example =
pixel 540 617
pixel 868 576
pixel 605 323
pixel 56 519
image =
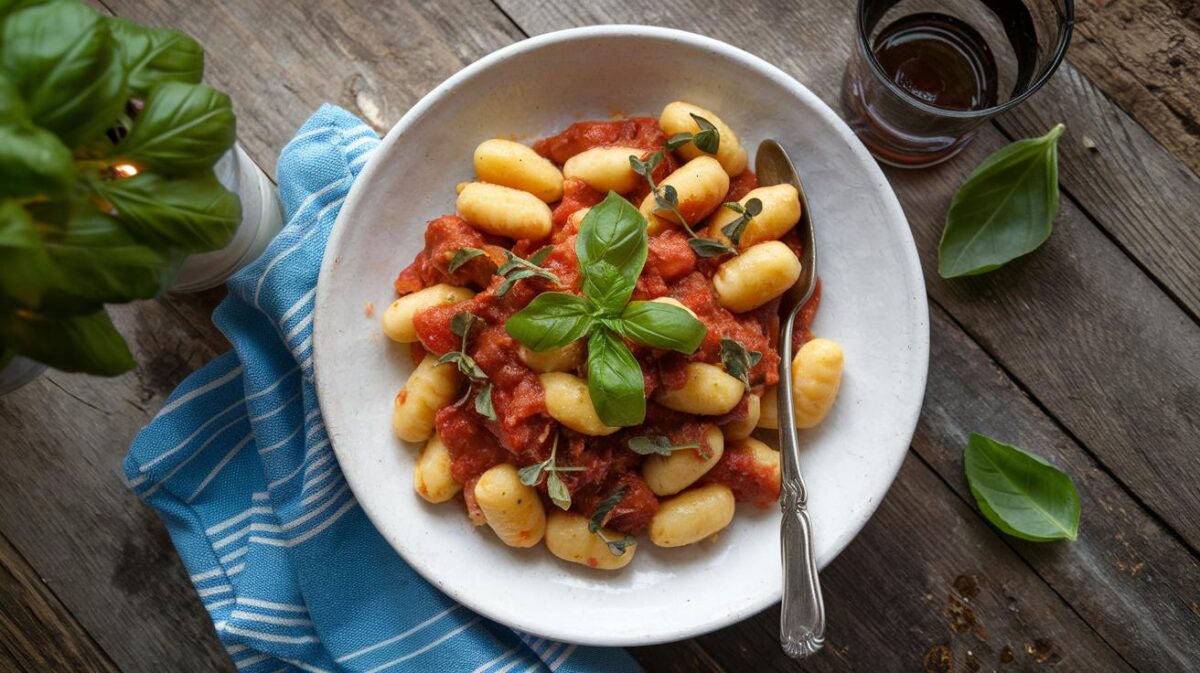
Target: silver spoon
pixel 802 618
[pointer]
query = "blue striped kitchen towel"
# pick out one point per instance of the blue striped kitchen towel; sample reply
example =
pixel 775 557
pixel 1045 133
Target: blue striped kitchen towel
pixel 239 467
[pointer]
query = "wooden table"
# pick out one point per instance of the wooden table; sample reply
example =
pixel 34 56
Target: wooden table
pixel 1087 351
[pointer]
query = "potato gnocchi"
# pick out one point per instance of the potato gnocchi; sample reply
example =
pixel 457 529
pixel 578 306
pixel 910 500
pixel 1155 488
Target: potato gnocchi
pixel 512 427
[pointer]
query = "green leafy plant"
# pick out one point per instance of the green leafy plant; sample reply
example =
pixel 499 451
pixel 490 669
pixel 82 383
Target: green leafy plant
pixel 707 139
pixel 616 547
pixel 1019 492
pixel 107 143
pixel 461 325
pixel 736 228
pixel 666 199
pixel 1005 208
pixel 611 247
pixel 650 445
pixel 737 360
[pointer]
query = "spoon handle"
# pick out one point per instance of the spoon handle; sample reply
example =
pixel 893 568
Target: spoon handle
pixel 802 616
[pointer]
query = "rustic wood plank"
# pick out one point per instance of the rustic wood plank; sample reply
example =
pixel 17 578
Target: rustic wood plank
pixel 1077 323
pixel 37 633
pixel 1145 55
pixel 1133 187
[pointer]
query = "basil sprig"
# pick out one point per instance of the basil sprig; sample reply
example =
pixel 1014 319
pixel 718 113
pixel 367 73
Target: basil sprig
pixel 1019 492
pixel 461 324
pixel 666 199
pixel 707 139
pixel 736 228
pixel 595 524
pixel 531 475
pixel 737 360
pixel 650 445
pixel 1005 209
pixel 611 247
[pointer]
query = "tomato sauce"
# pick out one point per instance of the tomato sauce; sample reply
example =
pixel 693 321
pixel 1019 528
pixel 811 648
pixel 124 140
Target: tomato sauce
pixel 523 433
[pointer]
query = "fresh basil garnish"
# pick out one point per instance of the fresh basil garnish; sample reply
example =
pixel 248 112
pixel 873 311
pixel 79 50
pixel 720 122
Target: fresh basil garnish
pixel 737 360
pixel 734 230
pixel 667 199
pixel 1019 492
pixel 531 475
pixel 596 522
pixel 611 247
pixel 463 256
pixel 1005 209
pixel 649 445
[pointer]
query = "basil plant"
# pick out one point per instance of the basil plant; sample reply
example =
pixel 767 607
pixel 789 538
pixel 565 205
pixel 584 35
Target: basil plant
pixel 107 146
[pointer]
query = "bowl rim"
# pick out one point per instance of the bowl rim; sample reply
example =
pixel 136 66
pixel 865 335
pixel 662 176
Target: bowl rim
pixel 892 212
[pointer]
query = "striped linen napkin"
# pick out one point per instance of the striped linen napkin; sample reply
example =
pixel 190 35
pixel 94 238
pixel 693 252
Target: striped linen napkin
pixel 239 467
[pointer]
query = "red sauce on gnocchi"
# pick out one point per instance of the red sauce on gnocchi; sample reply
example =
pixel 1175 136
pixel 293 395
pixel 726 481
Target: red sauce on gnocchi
pixel 522 422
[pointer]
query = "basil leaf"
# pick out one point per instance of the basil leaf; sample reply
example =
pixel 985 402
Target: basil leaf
pixel 1019 492
pixel 154 55
pixel 615 381
pixel 33 162
pixel 483 402
pixel 706 247
pixel 608 288
pixel 190 215
pixel 183 128
pixel 737 360
pixel 615 232
pixel 1005 209
pixel 61 57
pixel 463 256
pixel 557 491
pixel 25 268
pixel 100 262
pixel 85 343
pixel 648 445
pixel 551 320
pixel 606 505
pixel 659 325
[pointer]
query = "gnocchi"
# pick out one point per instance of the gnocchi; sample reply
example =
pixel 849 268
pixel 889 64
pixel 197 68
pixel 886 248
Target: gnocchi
pixel 677 118
pixel 692 516
pixel 816 378
pixel 700 184
pixel 568 538
pixel 605 169
pixel 780 212
pixel 668 475
pixel 431 387
pixel 513 433
pixel 569 402
pixel 431 475
pixel 707 391
pixel 512 510
pixel 398 317
pixel 755 277
pixel 504 211
pixel 511 164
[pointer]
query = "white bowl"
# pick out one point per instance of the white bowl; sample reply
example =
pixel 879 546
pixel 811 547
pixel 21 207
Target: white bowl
pixel 874 305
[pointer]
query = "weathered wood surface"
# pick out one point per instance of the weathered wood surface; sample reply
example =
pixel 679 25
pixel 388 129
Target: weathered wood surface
pixel 1009 360
pixel 36 632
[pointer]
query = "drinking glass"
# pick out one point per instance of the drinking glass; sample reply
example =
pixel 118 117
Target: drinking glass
pixel 925 74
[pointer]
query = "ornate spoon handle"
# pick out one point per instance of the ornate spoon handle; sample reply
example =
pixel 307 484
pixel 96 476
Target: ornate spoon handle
pixel 802 616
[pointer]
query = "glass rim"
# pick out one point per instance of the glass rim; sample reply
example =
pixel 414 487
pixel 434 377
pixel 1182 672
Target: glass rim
pixel 1060 52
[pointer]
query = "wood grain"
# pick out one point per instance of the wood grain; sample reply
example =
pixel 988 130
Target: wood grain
pixel 1077 323
pixel 37 633
pixel 1145 55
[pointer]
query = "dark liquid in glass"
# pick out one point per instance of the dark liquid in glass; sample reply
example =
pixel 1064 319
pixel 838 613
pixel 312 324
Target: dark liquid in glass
pixel 939 60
